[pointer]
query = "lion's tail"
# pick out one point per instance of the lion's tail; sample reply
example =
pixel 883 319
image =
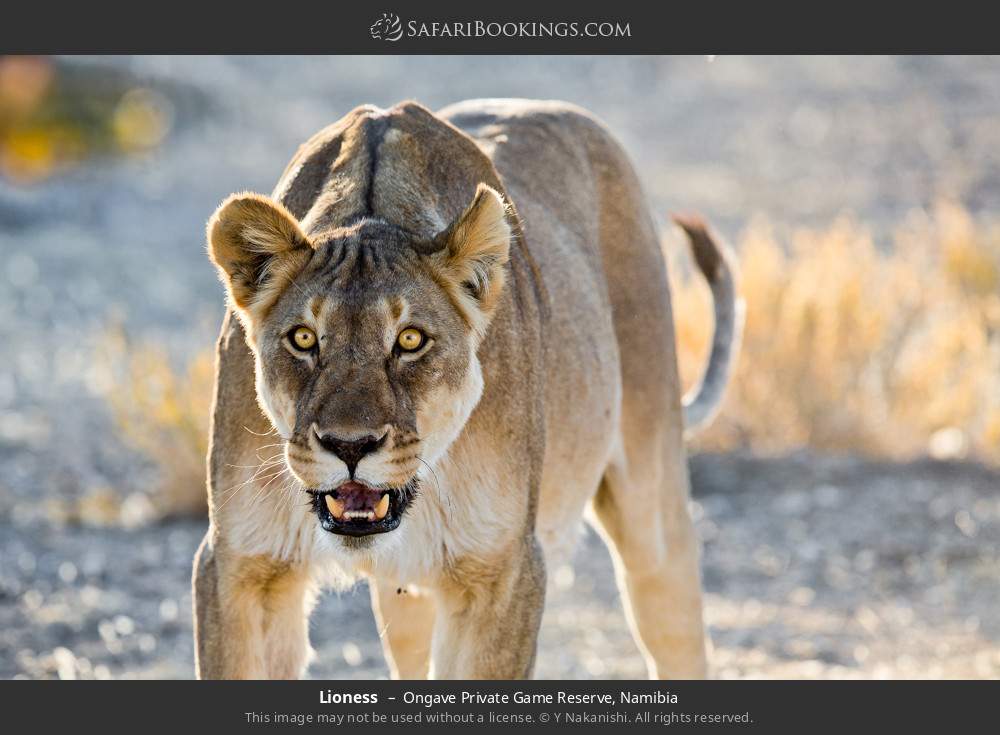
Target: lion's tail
pixel 717 265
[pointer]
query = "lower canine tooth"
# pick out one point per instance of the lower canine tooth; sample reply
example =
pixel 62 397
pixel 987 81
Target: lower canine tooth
pixel 383 507
pixel 335 507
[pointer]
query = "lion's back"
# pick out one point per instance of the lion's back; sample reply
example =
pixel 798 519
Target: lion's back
pixel 589 228
pixel 569 177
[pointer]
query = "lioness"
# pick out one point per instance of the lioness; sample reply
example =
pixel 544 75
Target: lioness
pixel 449 338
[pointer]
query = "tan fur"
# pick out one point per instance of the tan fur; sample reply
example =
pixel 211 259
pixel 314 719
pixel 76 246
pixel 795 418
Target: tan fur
pixel 405 620
pixel 549 391
pixel 475 252
pixel 245 234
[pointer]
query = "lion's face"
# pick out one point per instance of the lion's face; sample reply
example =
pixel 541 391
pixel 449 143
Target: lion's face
pixel 368 370
pixel 365 345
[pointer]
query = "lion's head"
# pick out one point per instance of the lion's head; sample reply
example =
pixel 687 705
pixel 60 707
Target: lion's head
pixel 364 343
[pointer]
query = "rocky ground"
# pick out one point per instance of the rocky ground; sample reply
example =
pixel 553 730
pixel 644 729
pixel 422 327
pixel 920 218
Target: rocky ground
pixel 813 566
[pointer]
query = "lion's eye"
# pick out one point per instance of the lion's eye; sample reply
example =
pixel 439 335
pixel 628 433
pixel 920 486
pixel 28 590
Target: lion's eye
pixel 303 338
pixel 410 340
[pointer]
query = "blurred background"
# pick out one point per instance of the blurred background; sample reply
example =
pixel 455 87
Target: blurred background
pixel 847 496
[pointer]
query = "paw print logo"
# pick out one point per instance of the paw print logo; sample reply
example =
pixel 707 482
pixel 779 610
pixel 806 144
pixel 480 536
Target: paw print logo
pixel 387 28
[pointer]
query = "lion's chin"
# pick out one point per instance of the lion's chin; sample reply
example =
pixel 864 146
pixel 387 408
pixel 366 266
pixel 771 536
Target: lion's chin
pixel 356 510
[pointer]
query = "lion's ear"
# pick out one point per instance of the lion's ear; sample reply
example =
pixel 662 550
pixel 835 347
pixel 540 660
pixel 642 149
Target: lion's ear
pixel 474 250
pixel 258 248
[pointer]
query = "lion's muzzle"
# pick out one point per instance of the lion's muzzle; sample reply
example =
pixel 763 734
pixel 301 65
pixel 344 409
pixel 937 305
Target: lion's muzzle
pixel 349 451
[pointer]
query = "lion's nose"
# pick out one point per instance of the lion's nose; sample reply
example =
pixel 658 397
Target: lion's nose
pixel 350 451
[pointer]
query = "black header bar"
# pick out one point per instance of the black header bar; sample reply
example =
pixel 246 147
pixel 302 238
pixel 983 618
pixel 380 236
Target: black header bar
pixel 396 27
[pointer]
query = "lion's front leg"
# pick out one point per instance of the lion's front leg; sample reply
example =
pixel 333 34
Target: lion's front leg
pixel 405 619
pixel 251 615
pixel 490 610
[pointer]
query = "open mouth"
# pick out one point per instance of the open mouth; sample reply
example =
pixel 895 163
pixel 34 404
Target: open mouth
pixel 355 509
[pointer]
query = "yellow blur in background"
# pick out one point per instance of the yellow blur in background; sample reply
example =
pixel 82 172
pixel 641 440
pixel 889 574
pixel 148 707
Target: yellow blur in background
pixel 47 124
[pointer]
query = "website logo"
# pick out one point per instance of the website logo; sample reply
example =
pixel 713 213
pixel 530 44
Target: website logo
pixel 390 28
pixel 387 28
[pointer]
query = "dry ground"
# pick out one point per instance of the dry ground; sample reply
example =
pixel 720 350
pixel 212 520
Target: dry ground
pixel 814 567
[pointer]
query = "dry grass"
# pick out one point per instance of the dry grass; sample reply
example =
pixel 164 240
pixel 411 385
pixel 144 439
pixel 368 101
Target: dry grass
pixel 163 412
pixel 849 347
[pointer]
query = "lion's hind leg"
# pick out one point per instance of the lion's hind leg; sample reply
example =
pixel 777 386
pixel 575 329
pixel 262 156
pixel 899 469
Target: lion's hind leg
pixel 642 514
